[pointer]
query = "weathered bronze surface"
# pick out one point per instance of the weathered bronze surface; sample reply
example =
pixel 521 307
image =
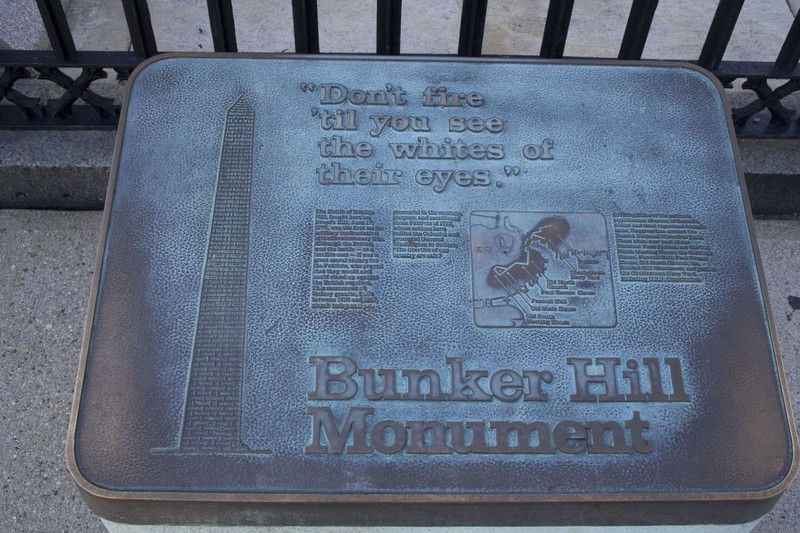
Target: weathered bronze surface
pixel 416 291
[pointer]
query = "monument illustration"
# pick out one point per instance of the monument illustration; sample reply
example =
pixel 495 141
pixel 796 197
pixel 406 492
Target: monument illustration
pixel 212 416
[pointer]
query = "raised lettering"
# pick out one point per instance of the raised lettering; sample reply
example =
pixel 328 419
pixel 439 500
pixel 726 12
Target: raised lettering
pixel 522 432
pixel 570 436
pixel 325 381
pixel 607 379
pixel 475 124
pixel 442 97
pixel 381 443
pixel 389 389
pixel 355 423
pixel 506 385
pixel 597 435
pixel 415 378
pixel 637 427
pixel 458 437
pixel 535 379
pixel 398 123
pixel 465 384
pixel 417 441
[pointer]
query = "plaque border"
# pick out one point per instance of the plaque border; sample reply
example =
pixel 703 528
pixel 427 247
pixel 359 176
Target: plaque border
pixel 426 509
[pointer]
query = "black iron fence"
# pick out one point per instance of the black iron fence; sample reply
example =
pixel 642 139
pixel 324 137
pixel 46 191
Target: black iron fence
pixel 79 106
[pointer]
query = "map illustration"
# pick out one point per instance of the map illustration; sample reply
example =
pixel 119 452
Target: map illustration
pixel 541 270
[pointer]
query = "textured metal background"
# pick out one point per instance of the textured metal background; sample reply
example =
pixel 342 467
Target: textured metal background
pixel 643 139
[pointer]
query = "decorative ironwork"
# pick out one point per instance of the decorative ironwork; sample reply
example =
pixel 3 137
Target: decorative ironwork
pixel 28 106
pixel 74 89
pixel 19 110
pixel 767 99
pixel 63 110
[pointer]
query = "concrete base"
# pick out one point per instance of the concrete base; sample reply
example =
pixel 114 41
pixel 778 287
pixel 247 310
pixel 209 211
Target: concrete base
pixel 772 171
pixel 114 527
pixel 55 169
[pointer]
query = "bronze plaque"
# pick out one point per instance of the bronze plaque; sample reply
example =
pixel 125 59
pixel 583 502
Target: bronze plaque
pixel 418 291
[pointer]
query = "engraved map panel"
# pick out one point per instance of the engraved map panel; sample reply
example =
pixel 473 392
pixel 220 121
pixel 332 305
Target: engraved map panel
pixel 540 270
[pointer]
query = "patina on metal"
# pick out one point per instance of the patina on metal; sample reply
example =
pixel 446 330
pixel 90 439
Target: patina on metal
pixel 428 292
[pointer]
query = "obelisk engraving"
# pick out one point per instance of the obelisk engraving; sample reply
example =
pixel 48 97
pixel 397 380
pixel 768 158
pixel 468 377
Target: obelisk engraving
pixel 211 421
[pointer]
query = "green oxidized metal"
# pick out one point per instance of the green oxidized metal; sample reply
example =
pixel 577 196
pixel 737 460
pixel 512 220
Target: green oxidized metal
pixel 417 292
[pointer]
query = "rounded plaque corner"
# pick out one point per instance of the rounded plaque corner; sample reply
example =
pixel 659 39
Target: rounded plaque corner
pixel 147 63
pixel 793 464
pixel 707 74
pixel 773 491
pixel 168 57
pixel 108 504
pixel 94 492
pixel 89 489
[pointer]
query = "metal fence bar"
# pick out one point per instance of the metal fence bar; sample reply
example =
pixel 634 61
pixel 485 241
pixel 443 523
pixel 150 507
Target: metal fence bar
pixel 719 34
pixel 48 58
pixel 473 21
pixel 755 69
pixel 789 56
pixel 388 27
pixel 306 26
pixel 555 28
pixel 137 15
pixel 223 29
pixel 637 29
pixel 55 23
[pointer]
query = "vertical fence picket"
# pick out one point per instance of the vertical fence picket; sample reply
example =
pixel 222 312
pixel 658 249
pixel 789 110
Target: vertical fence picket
pixel 137 15
pixel 719 34
pixel 555 28
pixel 55 23
pixel 306 26
pixel 637 29
pixel 388 27
pixel 223 29
pixel 473 21
pixel 789 55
